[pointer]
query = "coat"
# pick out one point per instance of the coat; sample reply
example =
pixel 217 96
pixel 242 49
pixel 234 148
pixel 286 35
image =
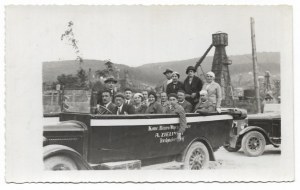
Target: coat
pixel 154 108
pixel 165 84
pixel 178 109
pixel 111 107
pixel 205 107
pixel 187 106
pixel 126 109
pixel 141 109
pixel 214 93
pixel 173 88
pixel 194 87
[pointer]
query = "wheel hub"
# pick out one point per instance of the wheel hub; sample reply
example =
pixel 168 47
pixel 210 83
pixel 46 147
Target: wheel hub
pixel 197 159
pixel 254 143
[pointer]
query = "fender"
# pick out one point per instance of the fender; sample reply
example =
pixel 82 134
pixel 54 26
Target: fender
pixel 55 149
pixel 256 128
pixel 205 142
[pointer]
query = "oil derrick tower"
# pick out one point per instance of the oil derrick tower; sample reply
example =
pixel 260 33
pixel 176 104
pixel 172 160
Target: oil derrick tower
pixel 220 66
pixel 267 81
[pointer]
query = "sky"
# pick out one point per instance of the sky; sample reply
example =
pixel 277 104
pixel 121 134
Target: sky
pixel 137 35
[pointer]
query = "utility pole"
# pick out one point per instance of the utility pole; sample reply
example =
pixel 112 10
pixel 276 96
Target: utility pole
pixel 254 59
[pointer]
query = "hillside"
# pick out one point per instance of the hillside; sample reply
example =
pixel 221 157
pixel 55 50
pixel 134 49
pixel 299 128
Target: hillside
pixel 152 73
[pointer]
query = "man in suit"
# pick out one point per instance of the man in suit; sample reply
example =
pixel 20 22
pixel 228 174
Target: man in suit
pixel 122 108
pixel 110 85
pixel 107 107
pixel 128 96
pixel 187 106
pixel 192 85
pixel 168 74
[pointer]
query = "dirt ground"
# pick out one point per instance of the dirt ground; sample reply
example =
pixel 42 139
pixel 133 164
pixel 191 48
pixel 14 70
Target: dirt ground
pixel 232 160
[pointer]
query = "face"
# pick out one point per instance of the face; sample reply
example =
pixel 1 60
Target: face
pixel 119 101
pixel 145 94
pixel 151 98
pixel 106 97
pixel 110 85
pixel 137 99
pixel 209 78
pixel 174 78
pixel 203 97
pixel 128 94
pixel 173 100
pixel 191 73
pixel 164 96
pixel 168 75
pixel 181 96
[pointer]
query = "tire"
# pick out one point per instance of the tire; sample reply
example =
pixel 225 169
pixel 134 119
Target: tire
pixel 59 163
pixel 253 144
pixel 197 157
pixel 230 149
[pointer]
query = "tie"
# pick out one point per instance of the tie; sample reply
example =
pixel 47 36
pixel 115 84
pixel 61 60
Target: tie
pixel 119 111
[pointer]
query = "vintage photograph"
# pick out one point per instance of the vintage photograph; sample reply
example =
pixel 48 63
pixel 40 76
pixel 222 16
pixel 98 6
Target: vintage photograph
pixel 154 88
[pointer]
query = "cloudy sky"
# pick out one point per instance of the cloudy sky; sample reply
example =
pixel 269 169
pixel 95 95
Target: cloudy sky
pixel 136 35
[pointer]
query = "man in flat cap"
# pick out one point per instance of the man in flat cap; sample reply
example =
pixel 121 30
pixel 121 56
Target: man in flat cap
pixel 192 85
pixel 168 74
pixel 110 85
pixel 122 108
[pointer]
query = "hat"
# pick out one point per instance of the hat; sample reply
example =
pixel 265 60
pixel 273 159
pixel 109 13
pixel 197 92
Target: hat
pixel 176 74
pixel 182 91
pixel 190 68
pixel 110 79
pixel 211 74
pixel 173 95
pixel 204 92
pixel 119 95
pixel 138 95
pixel 168 71
pixel 152 93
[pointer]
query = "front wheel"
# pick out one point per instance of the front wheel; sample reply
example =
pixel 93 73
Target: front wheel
pixel 59 162
pixel 253 143
pixel 197 157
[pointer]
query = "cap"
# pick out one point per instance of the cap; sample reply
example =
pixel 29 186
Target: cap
pixel 190 68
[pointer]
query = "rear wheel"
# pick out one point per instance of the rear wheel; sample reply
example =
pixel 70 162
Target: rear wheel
pixel 197 157
pixel 59 162
pixel 253 143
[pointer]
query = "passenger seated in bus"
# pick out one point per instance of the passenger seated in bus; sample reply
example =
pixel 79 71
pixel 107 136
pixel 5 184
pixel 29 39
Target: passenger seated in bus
pixel 139 107
pixel 187 106
pixel 122 108
pixel 164 101
pixel 175 108
pixel 154 107
pixel 107 106
pixel 128 96
pixel 204 105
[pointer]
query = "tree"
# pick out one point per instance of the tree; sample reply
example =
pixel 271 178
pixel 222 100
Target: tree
pixel 81 78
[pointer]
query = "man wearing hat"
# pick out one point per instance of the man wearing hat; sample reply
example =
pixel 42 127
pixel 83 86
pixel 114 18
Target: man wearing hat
pixel 192 85
pixel 110 85
pixel 122 108
pixel 168 74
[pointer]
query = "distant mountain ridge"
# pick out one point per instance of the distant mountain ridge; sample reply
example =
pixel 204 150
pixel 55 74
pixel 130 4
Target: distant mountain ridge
pixel 151 73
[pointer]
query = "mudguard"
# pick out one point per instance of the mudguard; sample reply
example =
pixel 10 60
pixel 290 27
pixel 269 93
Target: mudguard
pixel 256 128
pixel 54 149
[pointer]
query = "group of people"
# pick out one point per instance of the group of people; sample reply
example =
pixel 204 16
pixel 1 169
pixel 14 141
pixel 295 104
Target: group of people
pixel 190 96
pixel 176 97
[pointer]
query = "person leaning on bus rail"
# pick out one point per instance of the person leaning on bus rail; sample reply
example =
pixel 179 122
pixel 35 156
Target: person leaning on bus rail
pixel 187 106
pixel 122 108
pixel 137 104
pixel 175 85
pixel 175 108
pixel 214 92
pixel 154 107
pixel 168 74
pixel 107 106
pixel 164 101
pixel 204 105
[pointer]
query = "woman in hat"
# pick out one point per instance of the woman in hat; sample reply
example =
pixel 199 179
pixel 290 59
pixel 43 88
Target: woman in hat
pixel 192 85
pixel 214 92
pixel 154 107
pixel 137 103
pixel 175 85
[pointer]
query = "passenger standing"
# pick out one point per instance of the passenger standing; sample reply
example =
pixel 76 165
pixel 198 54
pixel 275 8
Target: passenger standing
pixel 175 85
pixel 168 74
pixel 110 85
pixel 192 85
pixel 139 108
pixel 214 91
pixel 154 107
pixel 187 106
pixel 164 101
pixel 122 108
pixel 175 108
